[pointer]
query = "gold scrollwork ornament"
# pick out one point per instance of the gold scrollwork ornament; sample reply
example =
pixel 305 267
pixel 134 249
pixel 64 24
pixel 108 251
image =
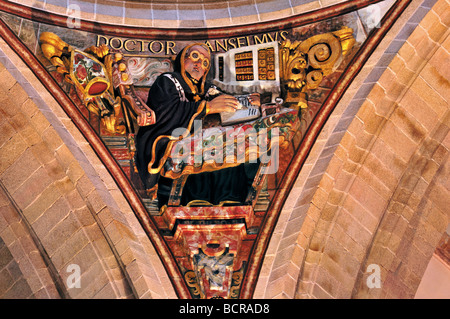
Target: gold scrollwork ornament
pixel 304 64
pixel 236 285
pixel 192 283
pixel 97 93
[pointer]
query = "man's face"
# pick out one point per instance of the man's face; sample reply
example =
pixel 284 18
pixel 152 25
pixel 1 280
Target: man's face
pixel 197 61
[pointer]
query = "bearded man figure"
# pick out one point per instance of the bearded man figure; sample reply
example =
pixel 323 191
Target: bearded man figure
pixel 178 98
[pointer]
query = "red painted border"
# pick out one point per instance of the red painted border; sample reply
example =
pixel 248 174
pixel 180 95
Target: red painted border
pixel 149 33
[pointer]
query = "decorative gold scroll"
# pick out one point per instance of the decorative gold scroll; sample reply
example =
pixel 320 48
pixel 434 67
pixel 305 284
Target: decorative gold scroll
pixel 93 84
pixel 305 63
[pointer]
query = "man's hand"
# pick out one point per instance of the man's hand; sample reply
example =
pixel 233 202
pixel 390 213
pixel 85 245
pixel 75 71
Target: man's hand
pixel 255 99
pixel 223 103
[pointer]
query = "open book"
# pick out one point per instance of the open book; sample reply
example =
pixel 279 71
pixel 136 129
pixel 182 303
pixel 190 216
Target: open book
pixel 246 112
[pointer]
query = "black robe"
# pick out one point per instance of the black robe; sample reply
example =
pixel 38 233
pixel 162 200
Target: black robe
pixel 172 112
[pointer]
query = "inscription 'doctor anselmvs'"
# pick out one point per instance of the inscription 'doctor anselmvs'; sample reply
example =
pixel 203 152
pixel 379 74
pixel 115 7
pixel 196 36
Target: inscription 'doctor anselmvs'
pixel 170 47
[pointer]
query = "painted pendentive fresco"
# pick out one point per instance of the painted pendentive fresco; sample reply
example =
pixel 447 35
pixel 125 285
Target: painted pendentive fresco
pixel 280 79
